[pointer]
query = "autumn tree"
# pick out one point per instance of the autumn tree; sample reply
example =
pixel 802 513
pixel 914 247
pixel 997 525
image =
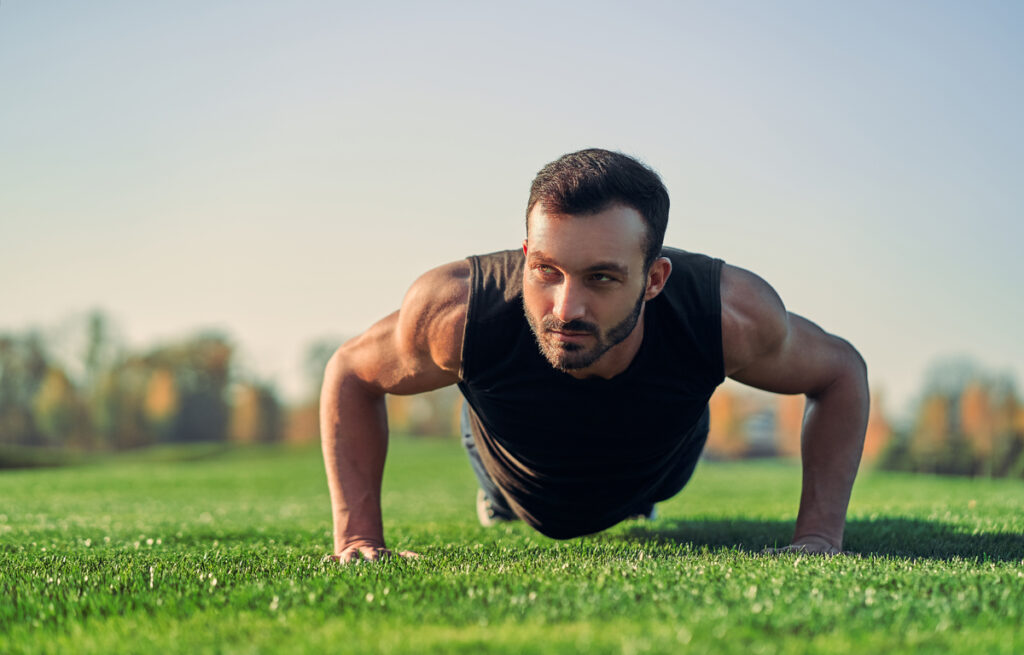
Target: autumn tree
pixel 965 424
pixel 23 368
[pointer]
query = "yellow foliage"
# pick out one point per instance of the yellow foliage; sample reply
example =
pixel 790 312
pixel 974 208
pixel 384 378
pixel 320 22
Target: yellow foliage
pixel 161 395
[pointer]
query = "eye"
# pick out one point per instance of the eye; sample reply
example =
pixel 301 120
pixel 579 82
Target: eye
pixel 602 278
pixel 546 272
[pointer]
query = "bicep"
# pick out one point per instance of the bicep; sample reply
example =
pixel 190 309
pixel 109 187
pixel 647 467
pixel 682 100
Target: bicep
pixel 807 361
pixel 770 348
pixel 417 348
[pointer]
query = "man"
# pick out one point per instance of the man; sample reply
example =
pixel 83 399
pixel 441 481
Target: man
pixel 587 361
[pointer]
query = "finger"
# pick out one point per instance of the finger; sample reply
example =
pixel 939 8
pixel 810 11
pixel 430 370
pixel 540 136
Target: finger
pixel 776 551
pixel 806 549
pixel 350 555
pixel 356 554
pixel 372 554
pixel 786 549
pixel 382 554
pixel 820 549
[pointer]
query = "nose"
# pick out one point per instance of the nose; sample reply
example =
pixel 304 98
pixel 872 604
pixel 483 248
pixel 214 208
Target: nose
pixel 569 302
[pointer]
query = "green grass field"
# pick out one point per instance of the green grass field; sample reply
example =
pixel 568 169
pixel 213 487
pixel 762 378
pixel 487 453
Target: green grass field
pixel 224 554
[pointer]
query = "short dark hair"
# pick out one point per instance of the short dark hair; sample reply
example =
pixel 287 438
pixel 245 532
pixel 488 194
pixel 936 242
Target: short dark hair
pixel 589 181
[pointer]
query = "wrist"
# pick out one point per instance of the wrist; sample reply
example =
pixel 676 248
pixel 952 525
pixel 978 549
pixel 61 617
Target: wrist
pixel 357 542
pixel 817 539
pixel 352 531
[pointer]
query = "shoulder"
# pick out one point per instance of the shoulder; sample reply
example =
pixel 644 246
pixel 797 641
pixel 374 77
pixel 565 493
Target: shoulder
pixel 693 285
pixel 498 276
pixel 442 288
pixel 754 319
pixel 432 318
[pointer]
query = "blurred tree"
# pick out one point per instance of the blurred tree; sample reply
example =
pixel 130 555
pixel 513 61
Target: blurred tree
pixel 23 368
pixel 119 405
pixel 100 347
pixel 61 414
pixel 977 422
pixel 114 399
pixel 965 424
pixel 936 443
pixel 161 403
pixel 879 432
pixel 256 414
pixel 434 413
pixel 173 393
pixel 789 420
pixel 949 376
pixel 726 437
pixel 314 360
pixel 202 368
pixel 302 424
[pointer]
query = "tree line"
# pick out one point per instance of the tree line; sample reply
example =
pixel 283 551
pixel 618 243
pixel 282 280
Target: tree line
pixel 111 398
pixel 104 396
pixel 969 421
pixel 83 390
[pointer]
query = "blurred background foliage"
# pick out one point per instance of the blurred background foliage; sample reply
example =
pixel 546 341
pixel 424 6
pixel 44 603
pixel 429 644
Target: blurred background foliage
pixel 967 420
pixel 108 397
pixel 81 390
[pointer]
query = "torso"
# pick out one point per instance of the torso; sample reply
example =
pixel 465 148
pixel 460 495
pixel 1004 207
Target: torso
pixel 571 452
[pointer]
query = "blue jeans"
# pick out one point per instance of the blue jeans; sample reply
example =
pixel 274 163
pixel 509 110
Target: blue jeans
pixel 502 512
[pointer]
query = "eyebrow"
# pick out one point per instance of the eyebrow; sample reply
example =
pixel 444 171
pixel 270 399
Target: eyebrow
pixel 610 266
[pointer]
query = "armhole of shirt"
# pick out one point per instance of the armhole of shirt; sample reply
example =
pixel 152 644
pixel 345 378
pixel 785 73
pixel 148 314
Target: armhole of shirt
pixel 467 335
pixel 718 356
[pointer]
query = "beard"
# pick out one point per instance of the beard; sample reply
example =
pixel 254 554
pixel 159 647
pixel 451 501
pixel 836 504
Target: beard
pixel 573 356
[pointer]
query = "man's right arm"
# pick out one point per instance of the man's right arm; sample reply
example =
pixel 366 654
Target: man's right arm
pixel 416 349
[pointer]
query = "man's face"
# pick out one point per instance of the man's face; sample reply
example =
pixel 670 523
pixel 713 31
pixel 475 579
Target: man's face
pixel 584 284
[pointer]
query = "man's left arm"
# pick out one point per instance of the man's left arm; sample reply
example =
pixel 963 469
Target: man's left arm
pixel 767 347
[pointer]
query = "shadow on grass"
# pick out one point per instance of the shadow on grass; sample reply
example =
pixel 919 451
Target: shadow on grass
pixel 888 537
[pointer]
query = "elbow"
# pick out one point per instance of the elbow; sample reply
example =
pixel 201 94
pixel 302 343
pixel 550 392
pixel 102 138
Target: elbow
pixel 334 372
pixel 343 397
pixel 335 366
pixel 848 372
pixel 338 375
pixel 330 395
pixel 856 364
pixel 342 379
pixel 853 372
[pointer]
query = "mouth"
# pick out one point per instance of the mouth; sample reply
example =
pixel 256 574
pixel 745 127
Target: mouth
pixel 569 335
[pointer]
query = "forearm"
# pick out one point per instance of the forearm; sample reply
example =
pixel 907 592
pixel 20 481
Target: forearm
pixel 833 439
pixel 353 429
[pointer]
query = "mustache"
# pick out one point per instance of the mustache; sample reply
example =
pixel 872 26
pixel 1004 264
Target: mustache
pixel 551 323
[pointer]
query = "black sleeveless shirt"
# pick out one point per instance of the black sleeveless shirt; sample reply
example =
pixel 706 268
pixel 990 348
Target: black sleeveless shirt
pixel 573 456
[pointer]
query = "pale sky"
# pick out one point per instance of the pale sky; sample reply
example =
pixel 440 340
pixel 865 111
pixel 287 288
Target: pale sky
pixel 283 171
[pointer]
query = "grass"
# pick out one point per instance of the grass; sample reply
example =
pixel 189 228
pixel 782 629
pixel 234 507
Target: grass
pixel 223 554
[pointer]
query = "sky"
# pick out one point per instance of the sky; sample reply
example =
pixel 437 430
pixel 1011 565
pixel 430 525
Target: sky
pixel 284 171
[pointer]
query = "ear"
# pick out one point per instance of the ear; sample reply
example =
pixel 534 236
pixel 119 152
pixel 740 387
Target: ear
pixel 657 276
pixel 524 248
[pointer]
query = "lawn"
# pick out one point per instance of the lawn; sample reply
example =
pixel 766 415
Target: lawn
pixel 224 553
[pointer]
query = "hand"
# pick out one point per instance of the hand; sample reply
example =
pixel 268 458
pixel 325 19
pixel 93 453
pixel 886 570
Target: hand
pixel 809 545
pixel 369 551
